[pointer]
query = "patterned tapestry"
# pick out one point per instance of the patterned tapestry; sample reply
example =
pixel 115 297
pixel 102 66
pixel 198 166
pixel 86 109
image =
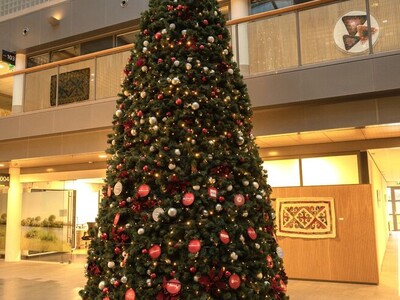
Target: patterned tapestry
pixel 309 218
pixel 73 86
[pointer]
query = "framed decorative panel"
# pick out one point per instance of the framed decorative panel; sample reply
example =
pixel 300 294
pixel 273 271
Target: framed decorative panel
pixel 306 217
pixel 72 87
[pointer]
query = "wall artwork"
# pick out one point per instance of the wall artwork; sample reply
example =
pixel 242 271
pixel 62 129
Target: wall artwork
pixel 352 32
pixel 72 87
pixel 306 217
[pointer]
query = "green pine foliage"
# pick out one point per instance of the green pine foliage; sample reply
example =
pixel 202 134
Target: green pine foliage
pixel 186 212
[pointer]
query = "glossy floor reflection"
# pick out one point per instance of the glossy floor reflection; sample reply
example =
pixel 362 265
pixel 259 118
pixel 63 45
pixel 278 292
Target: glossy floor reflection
pixel 35 280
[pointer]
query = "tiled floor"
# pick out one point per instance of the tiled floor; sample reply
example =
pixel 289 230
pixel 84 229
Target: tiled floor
pixel 29 280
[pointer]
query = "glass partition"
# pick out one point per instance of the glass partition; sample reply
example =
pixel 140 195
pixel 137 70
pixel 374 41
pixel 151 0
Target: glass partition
pixel 273 44
pixel 38 89
pixel 6 92
pixel 3 220
pixel 109 74
pixel 47 224
pixel 387 15
pixel 323 32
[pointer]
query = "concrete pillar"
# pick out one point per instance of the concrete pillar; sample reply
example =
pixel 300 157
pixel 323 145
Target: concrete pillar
pixel 14 208
pixel 240 9
pixel 19 84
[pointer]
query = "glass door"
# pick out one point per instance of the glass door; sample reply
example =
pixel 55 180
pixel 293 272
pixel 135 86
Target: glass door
pixel 394 208
pixel 48 224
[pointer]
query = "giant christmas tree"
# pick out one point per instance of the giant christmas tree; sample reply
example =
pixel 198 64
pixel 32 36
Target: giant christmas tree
pixel 186 212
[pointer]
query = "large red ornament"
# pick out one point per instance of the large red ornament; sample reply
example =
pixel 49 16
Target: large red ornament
pixel 234 281
pixel 239 200
pixel 130 295
pixel 155 252
pixel 252 233
pixel 173 286
pixel 143 190
pixel 194 246
pixel 158 35
pixel 188 199
pixel 224 237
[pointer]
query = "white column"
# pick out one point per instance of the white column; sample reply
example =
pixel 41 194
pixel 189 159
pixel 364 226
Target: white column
pixel 14 207
pixel 19 84
pixel 240 9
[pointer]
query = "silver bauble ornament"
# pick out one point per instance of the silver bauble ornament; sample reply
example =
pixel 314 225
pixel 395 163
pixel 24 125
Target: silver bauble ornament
pixel 124 279
pixel 195 105
pixel 175 81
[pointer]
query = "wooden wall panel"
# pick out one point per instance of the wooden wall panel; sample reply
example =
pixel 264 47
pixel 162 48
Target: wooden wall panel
pixel 351 256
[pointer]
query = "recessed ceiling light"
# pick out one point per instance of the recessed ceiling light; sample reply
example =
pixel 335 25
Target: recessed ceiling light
pixel 102 156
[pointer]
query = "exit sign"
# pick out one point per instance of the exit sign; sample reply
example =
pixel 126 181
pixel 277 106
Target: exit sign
pixel 8 57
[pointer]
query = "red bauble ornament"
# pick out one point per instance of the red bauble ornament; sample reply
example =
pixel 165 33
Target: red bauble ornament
pixel 234 281
pixel 160 61
pixel 173 286
pixel 155 252
pixel 192 269
pixel 224 237
pixel 158 35
pixel 116 218
pixel 104 236
pixel 117 250
pixel 178 101
pixel 139 113
pixel 188 199
pixel 145 251
pixel 116 283
pixel 221 198
pixel 160 96
pixel 130 295
pixel 205 22
pixel 143 190
pixel 201 47
pixel 227 274
pixel 239 200
pixel 122 204
pixel 153 275
pixel 194 246
pixel 252 233
pixel 204 130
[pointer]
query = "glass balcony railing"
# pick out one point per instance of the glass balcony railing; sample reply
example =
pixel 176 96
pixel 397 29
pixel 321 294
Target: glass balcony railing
pixel 308 34
pixel 305 35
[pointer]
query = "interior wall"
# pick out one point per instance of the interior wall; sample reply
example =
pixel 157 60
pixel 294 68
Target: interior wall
pixel 378 187
pixel 349 257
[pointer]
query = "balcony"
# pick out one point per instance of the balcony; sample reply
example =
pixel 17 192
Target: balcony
pixel 316 35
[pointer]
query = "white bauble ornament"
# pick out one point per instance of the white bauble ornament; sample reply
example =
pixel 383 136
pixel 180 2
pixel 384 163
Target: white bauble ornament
pixel 177 152
pixel 145 43
pixel 152 120
pixel 111 264
pixel 171 166
pixel 140 231
pixel 259 275
pixel 172 26
pixel 257 245
pixel 118 113
pixel 195 105
pixel 164 31
pixel 234 256
pixel 230 71
pixel 184 32
pixel 148 282
pixel 102 284
pixel 143 94
pixel 229 188
pixel 245 182
pixel 176 63
pixel 144 50
pixel 256 185
pixel 211 39
pixel 172 212
pixel 196 187
pixel 218 207
pixel 133 132
pixel 175 81
pixel 156 213
pixel 279 251
pixel 188 66
pixel 124 279
pixel 144 69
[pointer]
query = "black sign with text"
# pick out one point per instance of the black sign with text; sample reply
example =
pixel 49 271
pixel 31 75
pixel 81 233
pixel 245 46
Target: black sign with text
pixel 8 57
pixel 4 179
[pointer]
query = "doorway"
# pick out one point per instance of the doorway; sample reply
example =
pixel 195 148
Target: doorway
pixel 393 207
